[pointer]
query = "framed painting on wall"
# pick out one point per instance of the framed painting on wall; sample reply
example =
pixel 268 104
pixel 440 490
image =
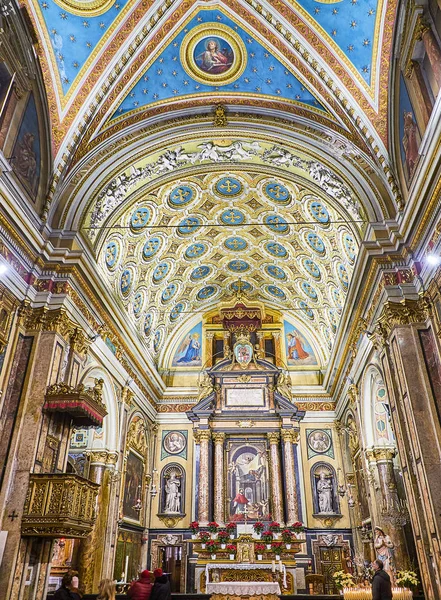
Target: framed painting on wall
pixel 133 486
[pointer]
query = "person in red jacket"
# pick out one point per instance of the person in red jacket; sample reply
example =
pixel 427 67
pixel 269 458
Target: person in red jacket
pixel 142 588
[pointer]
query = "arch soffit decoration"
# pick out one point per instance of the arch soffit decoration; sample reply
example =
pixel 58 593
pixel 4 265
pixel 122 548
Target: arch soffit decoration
pixel 277 32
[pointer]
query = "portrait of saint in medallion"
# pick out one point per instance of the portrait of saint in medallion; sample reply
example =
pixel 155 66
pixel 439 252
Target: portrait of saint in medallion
pixel 213 55
pixel 174 442
pixel 319 441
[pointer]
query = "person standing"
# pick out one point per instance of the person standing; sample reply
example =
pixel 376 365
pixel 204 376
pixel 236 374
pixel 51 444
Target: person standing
pixel 381 584
pixel 161 589
pixel 141 589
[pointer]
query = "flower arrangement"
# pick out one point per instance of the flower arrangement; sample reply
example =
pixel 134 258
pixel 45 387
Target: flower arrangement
pixel 213 527
pixel 222 536
pixel 212 546
pixel 204 536
pixel 230 527
pixel 343 579
pixel 232 548
pixel 297 527
pixel 407 579
pixel 267 536
pixel 258 527
pixel 277 548
pixel 259 549
pixel 274 527
pixel 287 536
pixel 194 526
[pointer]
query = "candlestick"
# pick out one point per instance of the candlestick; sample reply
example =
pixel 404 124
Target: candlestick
pixel 273 566
pixel 126 570
pixel 280 565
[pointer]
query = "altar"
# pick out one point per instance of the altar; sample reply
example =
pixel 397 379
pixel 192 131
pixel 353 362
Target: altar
pixel 242 581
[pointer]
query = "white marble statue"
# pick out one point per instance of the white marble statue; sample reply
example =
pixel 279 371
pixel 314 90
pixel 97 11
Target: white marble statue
pixel 172 494
pixel 324 492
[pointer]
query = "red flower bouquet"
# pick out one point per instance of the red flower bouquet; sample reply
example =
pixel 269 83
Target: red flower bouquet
pixel 194 526
pixel 258 527
pixel 274 527
pixel 213 527
pixel 267 536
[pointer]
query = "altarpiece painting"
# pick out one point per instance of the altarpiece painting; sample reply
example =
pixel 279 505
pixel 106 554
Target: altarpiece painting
pixel 247 481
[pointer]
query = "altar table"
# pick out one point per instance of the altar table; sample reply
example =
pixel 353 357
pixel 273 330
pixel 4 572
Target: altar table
pixel 244 588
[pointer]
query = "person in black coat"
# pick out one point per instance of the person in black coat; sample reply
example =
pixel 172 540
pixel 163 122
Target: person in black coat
pixel 65 592
pixel 381 584
pixel 161 590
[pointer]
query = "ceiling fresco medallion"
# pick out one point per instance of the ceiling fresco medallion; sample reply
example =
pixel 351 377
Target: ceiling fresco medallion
pixel 85 8
pixel 213 54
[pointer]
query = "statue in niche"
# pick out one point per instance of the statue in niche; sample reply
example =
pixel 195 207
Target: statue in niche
pixel 205 385
pixel 324 493
pixel 172 494
pixel 384 550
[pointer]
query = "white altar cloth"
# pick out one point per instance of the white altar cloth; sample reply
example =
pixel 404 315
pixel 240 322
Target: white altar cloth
pixel 242 567
pixel 244 588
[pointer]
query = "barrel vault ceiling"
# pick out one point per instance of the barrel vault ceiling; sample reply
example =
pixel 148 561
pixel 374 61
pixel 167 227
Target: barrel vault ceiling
pixel 176 226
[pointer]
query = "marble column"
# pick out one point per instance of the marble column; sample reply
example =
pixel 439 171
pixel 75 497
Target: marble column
pixel 202 437
pixel 91 551
pixel 219 495
pixel 433 52
pixel 410 359
pixel 391 502
pixel 290 437
pixel 209 335
pixel 276 477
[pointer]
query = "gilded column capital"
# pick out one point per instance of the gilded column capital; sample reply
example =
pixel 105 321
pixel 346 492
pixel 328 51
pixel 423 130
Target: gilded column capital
pixel 370 456
pixel 260 334
pixel 290 435
pixel 209 335
pixel 384 454
pixel 273 437
pixel 218 437
pixel 226 335
pixel 276 335
pixel 102 457
pixel 395 314
pixel 201 435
